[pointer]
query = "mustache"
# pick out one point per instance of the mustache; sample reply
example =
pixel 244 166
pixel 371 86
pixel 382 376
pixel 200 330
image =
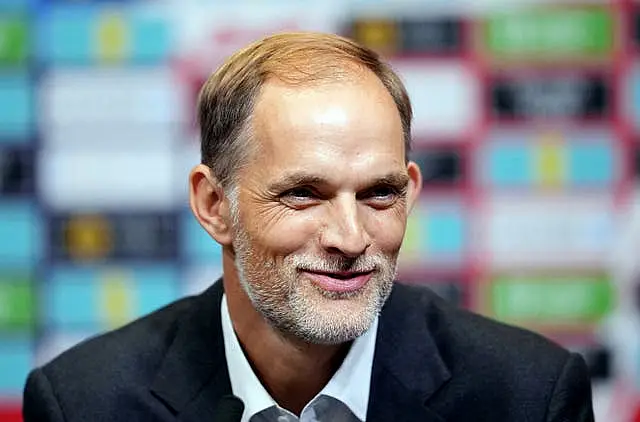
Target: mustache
pixel 334 264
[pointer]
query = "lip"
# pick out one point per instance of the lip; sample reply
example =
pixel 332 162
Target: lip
pixel 339 282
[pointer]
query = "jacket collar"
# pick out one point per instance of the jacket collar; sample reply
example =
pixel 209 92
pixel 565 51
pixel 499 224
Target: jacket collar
pixel 407 366
pixel 193 375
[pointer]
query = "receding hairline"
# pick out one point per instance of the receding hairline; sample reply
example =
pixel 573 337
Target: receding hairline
pixel 297 59
pixel 344 70
pixel 350 75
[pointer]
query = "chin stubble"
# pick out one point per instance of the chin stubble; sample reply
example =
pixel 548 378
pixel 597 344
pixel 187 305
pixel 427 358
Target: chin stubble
pixel 304 310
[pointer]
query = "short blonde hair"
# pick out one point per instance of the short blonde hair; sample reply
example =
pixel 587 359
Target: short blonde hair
pixel 226 100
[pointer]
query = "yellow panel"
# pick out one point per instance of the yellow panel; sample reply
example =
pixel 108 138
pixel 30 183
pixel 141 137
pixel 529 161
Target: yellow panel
pixel 112 37
pixel 89 237
pixel 551 161
pixel 413 246
pixel 381 35
pixel 117 298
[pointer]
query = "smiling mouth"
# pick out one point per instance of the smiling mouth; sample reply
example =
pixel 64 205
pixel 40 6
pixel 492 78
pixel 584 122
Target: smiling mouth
pixel 339 281
pixel 342 275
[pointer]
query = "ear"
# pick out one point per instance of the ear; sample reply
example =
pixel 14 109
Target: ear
pixel 209 205
pixel 415 185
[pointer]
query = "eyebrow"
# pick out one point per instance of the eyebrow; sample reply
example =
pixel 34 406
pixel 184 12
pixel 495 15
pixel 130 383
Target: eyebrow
pixel 291 180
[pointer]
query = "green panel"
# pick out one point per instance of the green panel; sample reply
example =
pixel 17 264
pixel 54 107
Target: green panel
pixel 414 233
pixel 14 40
pixel 552 300
pixel 17 302
pixel 551 33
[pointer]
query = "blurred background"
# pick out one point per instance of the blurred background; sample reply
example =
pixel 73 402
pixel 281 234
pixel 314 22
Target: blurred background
pixel 527 122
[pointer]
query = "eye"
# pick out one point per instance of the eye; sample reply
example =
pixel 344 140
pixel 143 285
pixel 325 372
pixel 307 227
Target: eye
pixel 383 192
pixel 299 193
pixel 299 197
pixel 381 196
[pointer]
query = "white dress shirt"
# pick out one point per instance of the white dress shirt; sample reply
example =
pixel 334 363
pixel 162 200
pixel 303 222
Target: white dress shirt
pixel 344 399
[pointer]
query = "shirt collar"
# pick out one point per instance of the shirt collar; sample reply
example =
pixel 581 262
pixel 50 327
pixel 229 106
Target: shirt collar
pixel 357 365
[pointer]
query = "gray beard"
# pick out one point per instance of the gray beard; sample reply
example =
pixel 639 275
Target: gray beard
pixel 286 307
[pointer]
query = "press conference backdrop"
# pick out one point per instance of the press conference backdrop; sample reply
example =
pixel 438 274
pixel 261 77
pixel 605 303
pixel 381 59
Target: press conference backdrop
pixel 527 122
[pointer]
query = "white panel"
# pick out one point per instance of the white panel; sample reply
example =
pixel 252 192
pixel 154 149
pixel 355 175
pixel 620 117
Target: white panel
pixel 99 101
pixel 115 136
pixel 547 232
pixel 187 158
pixel 198 279
pixel 100 179
pixel 445 98
pixel 208 32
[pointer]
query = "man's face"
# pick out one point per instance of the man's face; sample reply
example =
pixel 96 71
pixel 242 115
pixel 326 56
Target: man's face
pixel 322 206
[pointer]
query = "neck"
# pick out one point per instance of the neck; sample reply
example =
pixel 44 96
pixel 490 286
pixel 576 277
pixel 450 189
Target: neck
pixel 291 370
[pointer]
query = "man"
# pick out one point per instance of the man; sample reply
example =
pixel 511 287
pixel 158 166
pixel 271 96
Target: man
pixel 306 184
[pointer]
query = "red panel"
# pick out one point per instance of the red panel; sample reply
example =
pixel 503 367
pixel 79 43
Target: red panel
pixel 10 412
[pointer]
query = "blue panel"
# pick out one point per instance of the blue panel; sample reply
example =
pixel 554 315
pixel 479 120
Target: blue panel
pixel 74 297
pixel 71 2
pixel 156 286
pixel 16 4
pixel 423 231
pixel 196 244
pixel 16 107
pixel 66 35
pixel 151 38
pixel 16 359
pixel 508 165
pixel 71 298
pixel 635 97
pixel 445 232
pixel 20 234
pixel 591 164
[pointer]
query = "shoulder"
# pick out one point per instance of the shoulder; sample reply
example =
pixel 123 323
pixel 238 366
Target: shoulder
pixel 110 370
pixel 482 354
pixel 470 332
pixel 495 371
pixel 139 342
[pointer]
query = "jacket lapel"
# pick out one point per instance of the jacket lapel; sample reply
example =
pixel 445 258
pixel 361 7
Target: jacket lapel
pixel 407 366
pixel 193 375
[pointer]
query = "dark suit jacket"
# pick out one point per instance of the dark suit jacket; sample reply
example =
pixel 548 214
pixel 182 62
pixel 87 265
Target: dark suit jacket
pixel 433 362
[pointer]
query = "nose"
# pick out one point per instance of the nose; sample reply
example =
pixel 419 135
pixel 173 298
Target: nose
pixel 344 232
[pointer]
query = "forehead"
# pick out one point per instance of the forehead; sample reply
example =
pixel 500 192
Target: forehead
pixel 352 121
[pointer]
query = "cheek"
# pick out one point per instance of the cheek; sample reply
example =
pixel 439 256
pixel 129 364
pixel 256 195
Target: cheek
pixel 387 230
pixel 286 234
